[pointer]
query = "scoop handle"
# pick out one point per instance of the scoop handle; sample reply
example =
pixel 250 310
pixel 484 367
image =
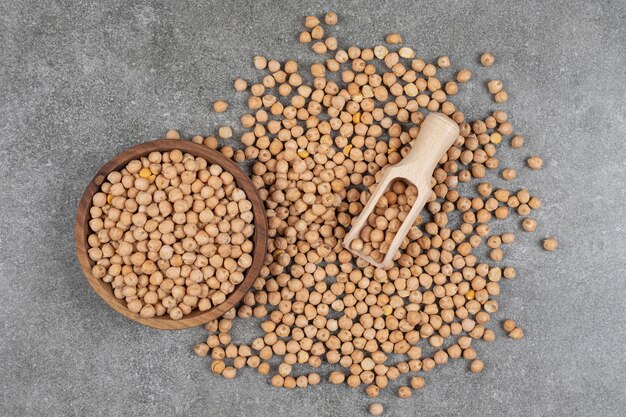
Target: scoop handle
pixel 437 133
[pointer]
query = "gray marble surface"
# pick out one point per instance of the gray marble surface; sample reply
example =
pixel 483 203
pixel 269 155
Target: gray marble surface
pixel 82 81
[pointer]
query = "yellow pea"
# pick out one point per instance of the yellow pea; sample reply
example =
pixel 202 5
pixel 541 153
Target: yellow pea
pixel 496 137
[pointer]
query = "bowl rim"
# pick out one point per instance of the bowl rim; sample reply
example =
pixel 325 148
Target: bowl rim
pixel 196 317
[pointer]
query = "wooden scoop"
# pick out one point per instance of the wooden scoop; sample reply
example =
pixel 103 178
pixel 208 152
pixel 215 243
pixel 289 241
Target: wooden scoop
pixel 437 133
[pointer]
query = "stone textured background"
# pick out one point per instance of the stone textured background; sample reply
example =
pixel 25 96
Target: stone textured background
pixel 82 81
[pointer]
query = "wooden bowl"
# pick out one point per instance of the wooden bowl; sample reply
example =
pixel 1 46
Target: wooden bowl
pixel 196 317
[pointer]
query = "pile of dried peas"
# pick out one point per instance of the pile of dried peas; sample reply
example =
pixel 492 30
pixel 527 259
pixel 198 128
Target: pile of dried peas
pixel 317 150
pixel 171 234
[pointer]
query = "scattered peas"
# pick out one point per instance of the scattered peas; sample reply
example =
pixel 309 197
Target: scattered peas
pixel 535 162
pixel 404 392
pixel 516 333
pixel 464 76
pixel 331 18
pixel 394 38
pixel 225 132
pixel 494 86
pixel 501 96
pixel 376 409
pixel 487 59
pixel 477 366
pixel 315 149
pixel 220 106
pixel 550 244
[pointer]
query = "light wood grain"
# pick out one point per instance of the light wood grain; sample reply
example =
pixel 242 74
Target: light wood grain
pixel 197 317
pixel 437 133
